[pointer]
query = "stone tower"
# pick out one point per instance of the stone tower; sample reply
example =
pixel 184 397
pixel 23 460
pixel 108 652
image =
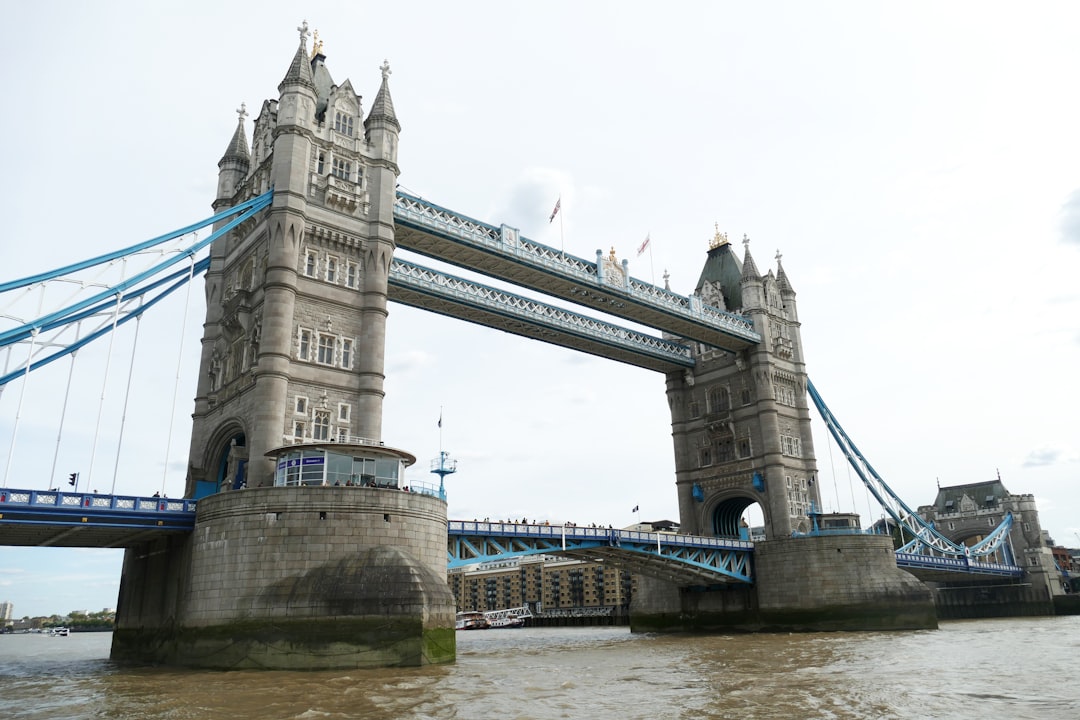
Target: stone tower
pixel 740 422
pixel 310 549
pixel 293 343
pixel 741 428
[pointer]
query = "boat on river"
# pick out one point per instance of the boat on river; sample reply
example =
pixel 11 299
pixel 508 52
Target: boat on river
pixel 508 618
pixel 59 632
pixel 471 620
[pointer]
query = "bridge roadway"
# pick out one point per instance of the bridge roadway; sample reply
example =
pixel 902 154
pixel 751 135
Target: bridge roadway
pixel 501 252
pixel 52 518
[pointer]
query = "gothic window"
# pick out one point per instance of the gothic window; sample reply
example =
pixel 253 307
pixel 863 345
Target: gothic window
pixel 346 354
pixel 343 123
pixel 331 269
pixel 301 405
pixel 745 396
pixel 695 410
pixel 359 174
pixel 311 263
pixel 350 274
pixel 320 165
pixel 725 450
pixel 342 169
pixel 343 411
pixel 326 349
pixel 343 435
pixel 791 446
pixel 719 400
pixel 305 345
pixel 299 429
pixel 704 458
pixel 321 429
pixel 744 448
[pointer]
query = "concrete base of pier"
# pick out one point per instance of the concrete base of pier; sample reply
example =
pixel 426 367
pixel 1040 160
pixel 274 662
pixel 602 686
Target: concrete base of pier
pixel 807 584
pixel 293 578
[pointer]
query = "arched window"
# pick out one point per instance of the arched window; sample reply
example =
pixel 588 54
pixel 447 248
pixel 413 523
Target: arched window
pixel 719 399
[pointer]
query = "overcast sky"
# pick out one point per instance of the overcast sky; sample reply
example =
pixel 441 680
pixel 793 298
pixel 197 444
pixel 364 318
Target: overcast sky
pixel 917 164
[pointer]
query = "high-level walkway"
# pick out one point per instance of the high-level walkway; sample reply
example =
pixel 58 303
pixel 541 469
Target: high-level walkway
pixel 428 229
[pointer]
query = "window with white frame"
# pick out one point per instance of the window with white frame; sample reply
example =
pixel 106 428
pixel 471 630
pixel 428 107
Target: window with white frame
pixel 311 263
pixel 343 412
pixel 343 123
pixel 299 429
pixel 350 274
pixel 346 353
pixel 343 435
pixel 301 405
pixel 326 349
pixel 304 352
pixel 342 169
pixel 331 269
pixel 320 430
pixel 791 446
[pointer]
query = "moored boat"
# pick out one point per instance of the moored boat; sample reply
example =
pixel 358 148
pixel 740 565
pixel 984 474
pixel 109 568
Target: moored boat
pixel 471 620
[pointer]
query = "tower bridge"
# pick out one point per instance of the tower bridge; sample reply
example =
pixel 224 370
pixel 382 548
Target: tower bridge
pixel 301 555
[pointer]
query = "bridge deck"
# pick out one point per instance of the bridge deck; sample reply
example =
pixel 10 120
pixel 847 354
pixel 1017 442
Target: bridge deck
pixel 39 518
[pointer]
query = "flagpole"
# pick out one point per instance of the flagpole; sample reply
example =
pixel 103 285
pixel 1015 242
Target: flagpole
pixel 440 431
pixel 562 241
pixel 652 272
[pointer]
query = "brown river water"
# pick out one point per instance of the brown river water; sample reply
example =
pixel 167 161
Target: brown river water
pixel 1010 668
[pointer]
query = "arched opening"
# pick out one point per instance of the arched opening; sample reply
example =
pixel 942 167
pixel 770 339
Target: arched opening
pixel 740 518
pixel 1001 555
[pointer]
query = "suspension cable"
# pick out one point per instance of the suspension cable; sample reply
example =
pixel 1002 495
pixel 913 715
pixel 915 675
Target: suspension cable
pixel 104 387
pixel 18 411
pixel 127 397
pixel 63 412
pixel 176 382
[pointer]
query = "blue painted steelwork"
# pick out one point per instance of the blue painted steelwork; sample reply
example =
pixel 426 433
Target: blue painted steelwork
pixel 466 293
pixel 921 561
pixel 926 538
pixel 64 509
pixel 431 219
pixel 106 303
pixel 693 559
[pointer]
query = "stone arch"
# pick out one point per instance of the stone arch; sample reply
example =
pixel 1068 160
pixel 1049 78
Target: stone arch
pixel 226 456
pixel 726 515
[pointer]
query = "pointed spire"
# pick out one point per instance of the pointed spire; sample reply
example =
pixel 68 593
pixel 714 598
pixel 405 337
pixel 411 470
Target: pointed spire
pixel 238 146
pixel 300 68
pixel 781 277
pixel 749 269
pixel 383 107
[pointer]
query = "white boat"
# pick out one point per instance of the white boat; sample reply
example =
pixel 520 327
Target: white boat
pixel 59 632
pixel 471 620
pixel 508 618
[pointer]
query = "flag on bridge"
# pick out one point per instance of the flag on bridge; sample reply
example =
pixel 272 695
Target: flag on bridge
pixel 636 507
pixel 558 204
pixel 644 245
pixel 440 418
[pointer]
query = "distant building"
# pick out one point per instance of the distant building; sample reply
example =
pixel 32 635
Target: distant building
pixel 6 610
pixel 547 585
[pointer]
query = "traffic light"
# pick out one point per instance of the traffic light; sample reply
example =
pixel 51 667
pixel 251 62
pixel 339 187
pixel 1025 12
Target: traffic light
pixel 73 478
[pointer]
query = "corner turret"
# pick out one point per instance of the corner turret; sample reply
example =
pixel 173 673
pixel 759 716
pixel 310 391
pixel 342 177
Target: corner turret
pixel 753 288
pixel 234 165
pixel 381 127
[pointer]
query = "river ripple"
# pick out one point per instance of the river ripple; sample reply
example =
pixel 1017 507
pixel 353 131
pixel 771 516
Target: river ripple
pixel 1012 668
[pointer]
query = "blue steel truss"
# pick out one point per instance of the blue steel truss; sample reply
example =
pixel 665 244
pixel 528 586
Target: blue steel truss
pixel 684 559
pixel 523 261
pixel 580 331
pixel 26 516
pixel 926 540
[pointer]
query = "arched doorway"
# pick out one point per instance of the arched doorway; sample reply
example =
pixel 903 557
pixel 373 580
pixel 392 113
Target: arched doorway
pixel 739 518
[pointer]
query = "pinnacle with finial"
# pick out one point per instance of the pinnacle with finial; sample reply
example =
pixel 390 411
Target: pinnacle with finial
pixel 303 30
pixel 778 256
pixel 242 111
pixel 746 241
pixel 385 67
